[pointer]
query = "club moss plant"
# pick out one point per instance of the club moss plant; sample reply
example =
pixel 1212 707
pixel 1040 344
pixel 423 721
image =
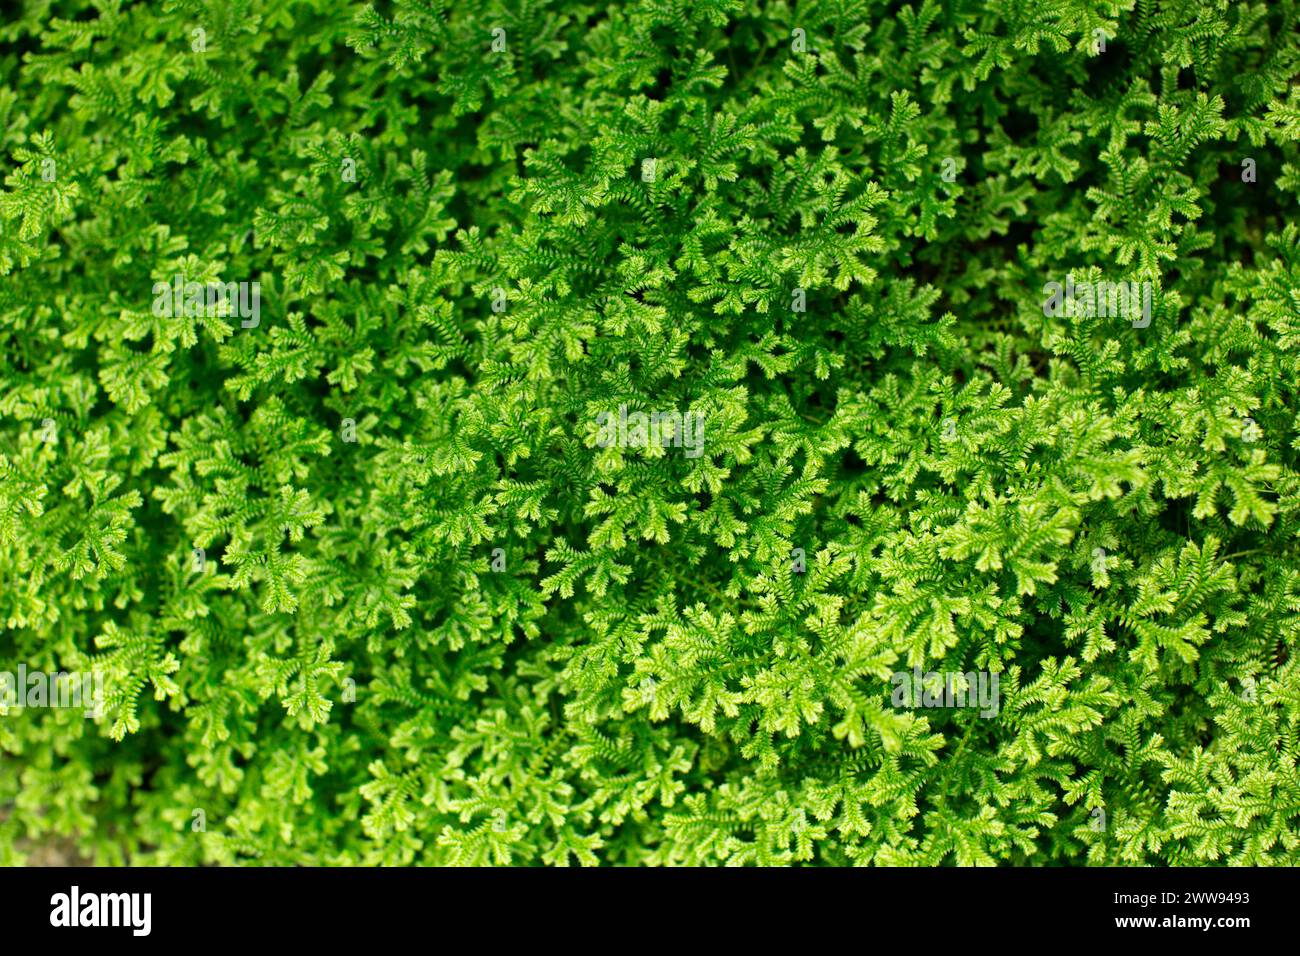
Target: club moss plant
pixel 347 354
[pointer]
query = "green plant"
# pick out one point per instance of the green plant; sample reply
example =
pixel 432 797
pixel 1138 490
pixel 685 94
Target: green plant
pixel 436 618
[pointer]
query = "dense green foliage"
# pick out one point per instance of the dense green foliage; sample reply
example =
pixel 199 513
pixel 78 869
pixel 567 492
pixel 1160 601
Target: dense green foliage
pixel 438 621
